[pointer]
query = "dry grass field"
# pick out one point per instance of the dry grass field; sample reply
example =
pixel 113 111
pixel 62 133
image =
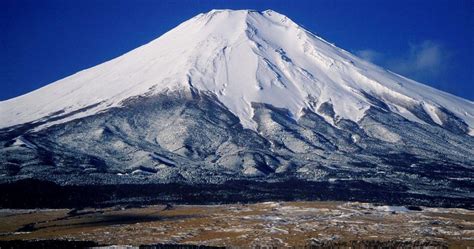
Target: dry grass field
pixel 280 224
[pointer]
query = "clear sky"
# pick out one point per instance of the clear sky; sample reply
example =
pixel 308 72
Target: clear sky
pixel 431 41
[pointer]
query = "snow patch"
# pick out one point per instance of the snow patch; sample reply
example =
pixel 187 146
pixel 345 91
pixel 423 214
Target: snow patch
pixel 21 141
pixel 391 208
pixel 382 133
pixel 431 110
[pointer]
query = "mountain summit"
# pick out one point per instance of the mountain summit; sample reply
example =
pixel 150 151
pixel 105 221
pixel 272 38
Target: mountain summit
pixel 240 95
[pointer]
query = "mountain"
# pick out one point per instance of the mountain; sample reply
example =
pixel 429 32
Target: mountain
pixel 240 95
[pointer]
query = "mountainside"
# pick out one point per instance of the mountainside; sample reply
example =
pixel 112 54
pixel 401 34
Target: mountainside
pixel 241 94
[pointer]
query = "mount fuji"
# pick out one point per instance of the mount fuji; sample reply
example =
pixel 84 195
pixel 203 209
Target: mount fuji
pixel 241 95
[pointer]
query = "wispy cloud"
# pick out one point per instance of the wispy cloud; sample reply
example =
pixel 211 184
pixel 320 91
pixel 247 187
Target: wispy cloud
pixel 425 61
pixel 369 55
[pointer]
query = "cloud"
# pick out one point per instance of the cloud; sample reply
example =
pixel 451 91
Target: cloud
pixel 425 61
pixel 369 55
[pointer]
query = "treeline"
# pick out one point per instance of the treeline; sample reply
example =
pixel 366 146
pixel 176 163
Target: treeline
pixel 33 193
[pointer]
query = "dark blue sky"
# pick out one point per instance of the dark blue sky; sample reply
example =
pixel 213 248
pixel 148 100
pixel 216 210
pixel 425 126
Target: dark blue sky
pixel 43 41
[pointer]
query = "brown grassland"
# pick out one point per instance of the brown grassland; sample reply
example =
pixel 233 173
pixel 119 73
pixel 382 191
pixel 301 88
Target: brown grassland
pixel 281 224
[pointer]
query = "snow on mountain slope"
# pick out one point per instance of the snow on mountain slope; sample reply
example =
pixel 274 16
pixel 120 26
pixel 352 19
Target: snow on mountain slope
pixel 242 57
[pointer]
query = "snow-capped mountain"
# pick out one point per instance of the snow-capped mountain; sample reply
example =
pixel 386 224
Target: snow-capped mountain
pixel 240 94
pixel 241 57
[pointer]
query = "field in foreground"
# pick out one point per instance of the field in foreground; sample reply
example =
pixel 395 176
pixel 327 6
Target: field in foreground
pixel 262 224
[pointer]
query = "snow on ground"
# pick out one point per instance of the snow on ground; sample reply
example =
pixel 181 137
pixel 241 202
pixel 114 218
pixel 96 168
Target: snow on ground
pixel 391 208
